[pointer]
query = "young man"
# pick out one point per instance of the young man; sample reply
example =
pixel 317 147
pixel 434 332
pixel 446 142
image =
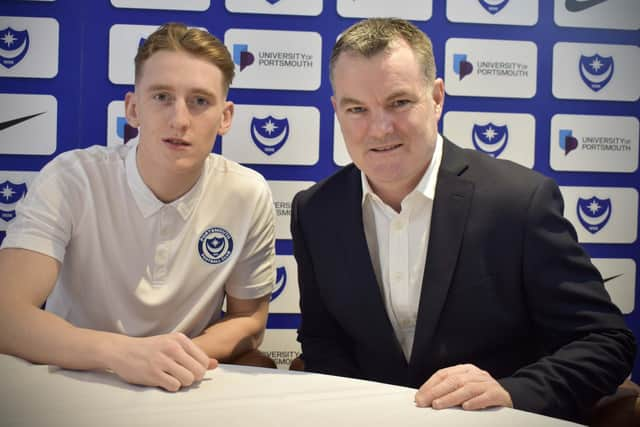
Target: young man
pixel 134 248
pixel 426 265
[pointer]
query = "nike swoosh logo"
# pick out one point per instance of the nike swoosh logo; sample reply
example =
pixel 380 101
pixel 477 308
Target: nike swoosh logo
pixel 9 123
pixel 608 279
pixel 578 6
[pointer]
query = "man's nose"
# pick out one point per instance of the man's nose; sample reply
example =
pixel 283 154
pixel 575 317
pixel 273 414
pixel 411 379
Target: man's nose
pixel 381 124
pixel 180 115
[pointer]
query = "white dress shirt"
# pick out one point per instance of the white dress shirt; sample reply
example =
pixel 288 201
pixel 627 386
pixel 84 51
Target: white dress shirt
pixel 398 248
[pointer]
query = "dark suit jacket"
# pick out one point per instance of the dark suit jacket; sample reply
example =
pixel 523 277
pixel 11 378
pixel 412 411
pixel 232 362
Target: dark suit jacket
pixel 506 287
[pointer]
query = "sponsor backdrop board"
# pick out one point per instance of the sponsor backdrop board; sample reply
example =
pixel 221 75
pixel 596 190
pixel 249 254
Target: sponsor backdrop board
pixel 551 85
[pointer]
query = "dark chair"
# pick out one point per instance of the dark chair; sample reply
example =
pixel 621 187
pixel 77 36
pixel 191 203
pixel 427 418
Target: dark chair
pixel 253 358
pixel 297 364
pixel 621 409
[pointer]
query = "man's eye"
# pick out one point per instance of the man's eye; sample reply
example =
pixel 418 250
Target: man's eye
pixel 200 101
pixel 162 97
pixel 400 102
pixel 356 110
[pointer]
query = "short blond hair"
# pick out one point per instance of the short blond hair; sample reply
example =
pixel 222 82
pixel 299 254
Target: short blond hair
pixel 375 35
pixel 177 37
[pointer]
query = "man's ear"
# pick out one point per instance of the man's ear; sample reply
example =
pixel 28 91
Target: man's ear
pixel 227 116
pixel 131 109
pixel 333 102
pixel 437 94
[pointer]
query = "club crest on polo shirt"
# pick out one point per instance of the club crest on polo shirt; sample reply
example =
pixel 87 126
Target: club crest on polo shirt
pixel 215 245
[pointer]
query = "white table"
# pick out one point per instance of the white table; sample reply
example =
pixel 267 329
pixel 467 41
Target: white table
pixel 39 395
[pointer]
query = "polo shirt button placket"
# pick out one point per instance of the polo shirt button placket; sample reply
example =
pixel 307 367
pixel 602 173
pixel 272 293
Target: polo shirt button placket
pixel 162 250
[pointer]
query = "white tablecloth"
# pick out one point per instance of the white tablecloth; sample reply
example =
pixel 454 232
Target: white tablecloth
pixel 38 395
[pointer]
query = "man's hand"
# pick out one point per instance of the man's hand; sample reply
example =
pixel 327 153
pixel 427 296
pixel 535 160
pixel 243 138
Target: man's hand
pixel 462 385
pixel 169 361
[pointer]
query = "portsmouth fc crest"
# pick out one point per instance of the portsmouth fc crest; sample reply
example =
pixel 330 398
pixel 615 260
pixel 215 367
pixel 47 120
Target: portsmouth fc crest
pixel 596 71
pixel 281 282
pixel 215 245
pixel 14 45
pixel 493 6
pixel 269 134
pixel 490 139
pixel 10 193
pixel 7 215
pixel 594 213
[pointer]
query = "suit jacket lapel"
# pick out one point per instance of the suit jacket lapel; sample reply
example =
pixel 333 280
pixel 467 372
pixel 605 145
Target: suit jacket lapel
pixel 370 317
pixel 449 216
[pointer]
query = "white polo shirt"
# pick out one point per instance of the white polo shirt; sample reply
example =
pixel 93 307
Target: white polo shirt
pixel 134 265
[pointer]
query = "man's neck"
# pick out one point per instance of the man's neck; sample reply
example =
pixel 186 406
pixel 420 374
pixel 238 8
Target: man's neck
pixel 166 186
pixel 393 195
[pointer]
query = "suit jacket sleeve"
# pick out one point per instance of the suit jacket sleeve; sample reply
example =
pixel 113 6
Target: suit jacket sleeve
pixel 325 347
pixel 590 350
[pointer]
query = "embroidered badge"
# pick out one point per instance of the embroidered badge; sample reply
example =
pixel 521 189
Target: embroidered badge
pixel 215 245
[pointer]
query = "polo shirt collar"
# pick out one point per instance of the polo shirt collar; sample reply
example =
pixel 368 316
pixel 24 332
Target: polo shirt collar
pixel 147 202
pixel 427 184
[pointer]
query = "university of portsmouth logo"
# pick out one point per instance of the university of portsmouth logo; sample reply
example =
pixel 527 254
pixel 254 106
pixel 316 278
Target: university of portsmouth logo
pixel 269 134
pixel 493 6
pixel 124 130
pixel 461 66
pixel 596 71
pixel 215 245
pixel 281 282
pixel 272 1
pixel 490 139
pixel 10 193
pixel 567 141
pixel 14 45
pixel 242 56
pixel 594 213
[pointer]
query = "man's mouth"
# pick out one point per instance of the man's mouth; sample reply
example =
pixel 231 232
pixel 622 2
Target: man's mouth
pixel 176 141
pixel 385 148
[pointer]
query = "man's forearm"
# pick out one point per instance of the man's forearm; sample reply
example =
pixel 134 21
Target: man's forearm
pixel 239 331
pixel 43 337
pixel 231 336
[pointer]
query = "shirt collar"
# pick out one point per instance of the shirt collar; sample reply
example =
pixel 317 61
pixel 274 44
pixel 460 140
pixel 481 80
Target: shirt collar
pixel 147 202
pixel 427 184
